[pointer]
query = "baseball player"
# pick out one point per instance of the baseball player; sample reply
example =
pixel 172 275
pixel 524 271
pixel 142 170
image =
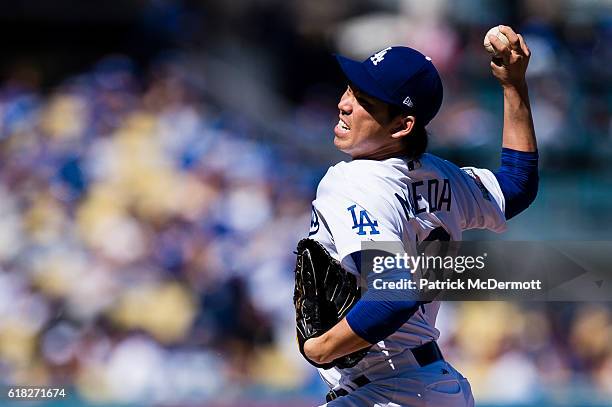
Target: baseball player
pixel 384 353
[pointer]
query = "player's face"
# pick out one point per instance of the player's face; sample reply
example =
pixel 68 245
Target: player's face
pixel 364 129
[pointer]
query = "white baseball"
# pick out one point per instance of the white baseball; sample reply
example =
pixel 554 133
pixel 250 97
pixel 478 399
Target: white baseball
pixel 495 32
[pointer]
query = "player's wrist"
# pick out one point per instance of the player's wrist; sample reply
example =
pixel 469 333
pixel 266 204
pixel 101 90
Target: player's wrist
pixel 518 86
pixel 516 96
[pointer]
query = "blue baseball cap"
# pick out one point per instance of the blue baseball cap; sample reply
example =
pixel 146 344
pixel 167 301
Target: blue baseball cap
pixel 400 76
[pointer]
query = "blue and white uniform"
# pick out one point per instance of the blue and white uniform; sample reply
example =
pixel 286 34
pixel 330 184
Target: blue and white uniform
pixel 404 201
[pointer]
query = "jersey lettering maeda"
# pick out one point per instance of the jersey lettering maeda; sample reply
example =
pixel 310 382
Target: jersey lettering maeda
pixel 401 200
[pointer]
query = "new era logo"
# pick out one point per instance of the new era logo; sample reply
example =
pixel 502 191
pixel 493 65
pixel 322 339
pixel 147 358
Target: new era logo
pixel 408 101
pixel 379 56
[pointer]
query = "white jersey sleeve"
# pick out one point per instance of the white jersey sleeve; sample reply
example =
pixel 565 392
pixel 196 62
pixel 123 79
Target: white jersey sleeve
pixel 486 209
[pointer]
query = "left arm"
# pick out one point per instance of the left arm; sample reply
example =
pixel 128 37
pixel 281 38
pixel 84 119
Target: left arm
pixel 378 314
pixel 338 341
pixel 368 322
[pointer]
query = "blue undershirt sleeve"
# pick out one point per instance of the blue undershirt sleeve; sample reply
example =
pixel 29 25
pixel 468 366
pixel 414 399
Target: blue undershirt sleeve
pixel 378 314
pixel 518 179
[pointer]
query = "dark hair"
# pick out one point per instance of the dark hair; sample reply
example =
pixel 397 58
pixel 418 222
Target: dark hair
pixel 416 142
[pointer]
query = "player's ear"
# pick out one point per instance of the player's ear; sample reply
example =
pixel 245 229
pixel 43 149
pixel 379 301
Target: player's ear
pixel 403 127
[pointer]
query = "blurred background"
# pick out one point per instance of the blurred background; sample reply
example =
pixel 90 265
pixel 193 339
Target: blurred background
pixel 157 163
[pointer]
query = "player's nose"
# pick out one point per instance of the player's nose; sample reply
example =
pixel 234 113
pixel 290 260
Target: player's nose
pixel 345 105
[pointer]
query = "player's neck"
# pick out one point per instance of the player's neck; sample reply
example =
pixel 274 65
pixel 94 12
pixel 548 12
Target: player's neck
pixel 383 153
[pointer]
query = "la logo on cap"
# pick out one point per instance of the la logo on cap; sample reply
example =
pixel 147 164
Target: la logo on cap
pixel 379 56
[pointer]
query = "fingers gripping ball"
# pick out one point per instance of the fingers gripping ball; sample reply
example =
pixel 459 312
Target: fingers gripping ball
pixel 496 33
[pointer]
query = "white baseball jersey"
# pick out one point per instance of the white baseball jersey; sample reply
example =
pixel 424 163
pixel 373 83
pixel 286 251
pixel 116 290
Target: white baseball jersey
pixel 405 201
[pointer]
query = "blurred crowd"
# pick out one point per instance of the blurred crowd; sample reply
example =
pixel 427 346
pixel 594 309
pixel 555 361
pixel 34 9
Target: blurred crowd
pixel 147 230
pixel 146 247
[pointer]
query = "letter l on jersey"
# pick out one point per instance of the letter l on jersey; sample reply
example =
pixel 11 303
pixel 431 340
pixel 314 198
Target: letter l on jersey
pixel 364 221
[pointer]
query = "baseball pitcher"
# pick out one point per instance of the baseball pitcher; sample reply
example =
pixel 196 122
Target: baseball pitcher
pixel 378 351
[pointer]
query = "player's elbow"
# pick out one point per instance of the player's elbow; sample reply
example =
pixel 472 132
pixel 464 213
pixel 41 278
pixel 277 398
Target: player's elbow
pixel 532 189
pixel 320 358
pixel 316 349
pixel 518 180
pixel 522 195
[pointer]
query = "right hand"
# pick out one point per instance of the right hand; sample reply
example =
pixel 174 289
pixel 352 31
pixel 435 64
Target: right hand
pixel 510 64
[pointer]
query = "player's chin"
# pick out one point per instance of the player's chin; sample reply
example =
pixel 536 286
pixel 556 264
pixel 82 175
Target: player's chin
pixel 342 143
pixel 342 136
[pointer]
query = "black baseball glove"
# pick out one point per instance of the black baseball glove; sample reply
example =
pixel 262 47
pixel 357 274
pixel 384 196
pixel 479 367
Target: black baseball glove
pixel 324 293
